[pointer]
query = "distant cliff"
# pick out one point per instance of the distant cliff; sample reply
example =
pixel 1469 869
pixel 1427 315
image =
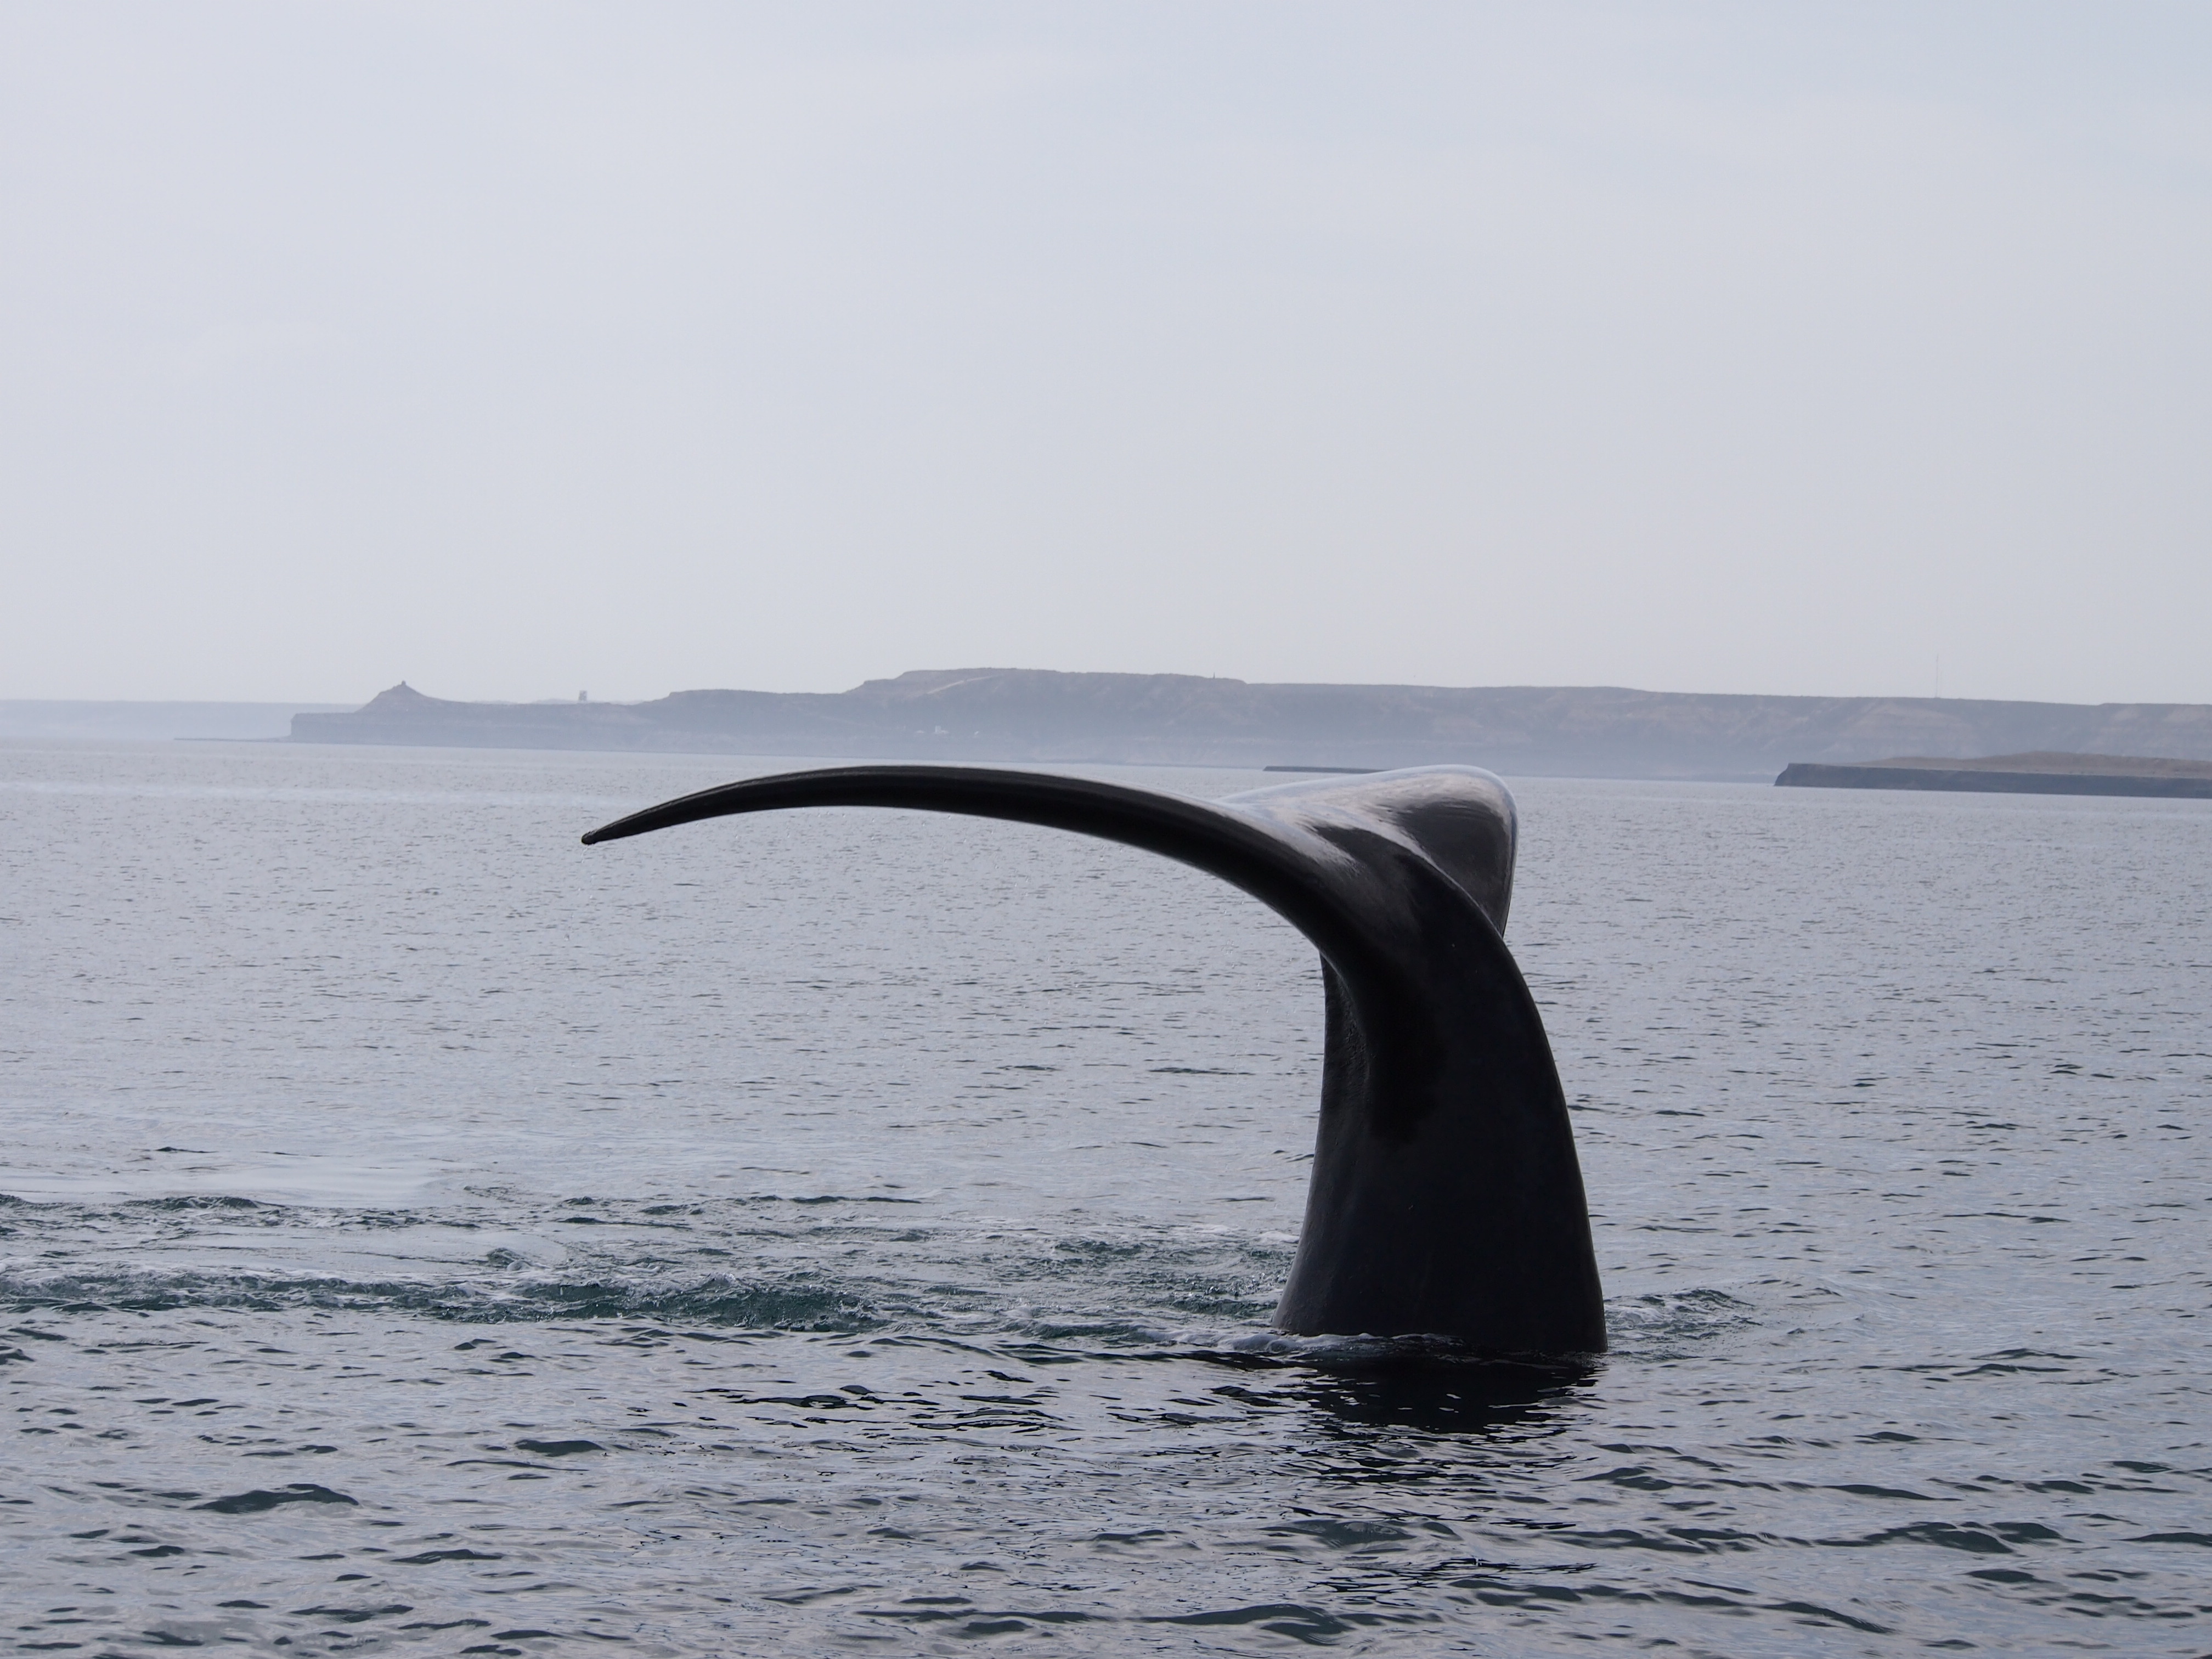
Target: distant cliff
pixel 1036 715
pixel 2042 774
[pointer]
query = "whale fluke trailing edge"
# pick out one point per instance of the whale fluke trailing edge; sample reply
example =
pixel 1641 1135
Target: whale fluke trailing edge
pixel 1445 1198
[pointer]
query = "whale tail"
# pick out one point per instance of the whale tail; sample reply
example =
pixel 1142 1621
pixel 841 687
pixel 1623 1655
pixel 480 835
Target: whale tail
pixel 1445 1198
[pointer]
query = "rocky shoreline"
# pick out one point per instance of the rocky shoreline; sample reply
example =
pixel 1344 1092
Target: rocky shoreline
pixel 2039 774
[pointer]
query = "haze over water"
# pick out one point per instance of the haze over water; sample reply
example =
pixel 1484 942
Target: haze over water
pixel 859 1231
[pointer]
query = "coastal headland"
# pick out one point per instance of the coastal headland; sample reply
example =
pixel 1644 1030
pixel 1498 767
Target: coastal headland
pixel 1041 716
pixel 2033 773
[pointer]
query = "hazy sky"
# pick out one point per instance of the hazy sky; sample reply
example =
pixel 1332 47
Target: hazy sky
pixel 523 348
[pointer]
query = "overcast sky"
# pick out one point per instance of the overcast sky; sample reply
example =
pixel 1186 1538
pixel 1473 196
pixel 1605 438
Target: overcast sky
pixel 518 350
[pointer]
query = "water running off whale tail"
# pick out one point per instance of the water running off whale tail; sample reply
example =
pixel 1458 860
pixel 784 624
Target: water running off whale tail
pixel 1445 1198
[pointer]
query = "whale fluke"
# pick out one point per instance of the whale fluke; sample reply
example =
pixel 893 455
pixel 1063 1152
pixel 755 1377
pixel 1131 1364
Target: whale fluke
pixel 1445 1198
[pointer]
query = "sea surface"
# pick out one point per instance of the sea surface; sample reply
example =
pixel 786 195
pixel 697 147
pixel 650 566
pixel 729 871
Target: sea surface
pixel 857 1232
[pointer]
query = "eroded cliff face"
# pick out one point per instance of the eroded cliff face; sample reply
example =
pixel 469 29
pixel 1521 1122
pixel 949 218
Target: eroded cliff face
pixel 1039 715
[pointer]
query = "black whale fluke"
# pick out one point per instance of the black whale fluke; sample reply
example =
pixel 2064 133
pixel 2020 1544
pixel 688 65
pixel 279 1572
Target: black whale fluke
pixel 1445 1198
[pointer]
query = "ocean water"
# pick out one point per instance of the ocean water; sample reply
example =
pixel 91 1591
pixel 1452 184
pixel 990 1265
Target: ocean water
pixel 857 1232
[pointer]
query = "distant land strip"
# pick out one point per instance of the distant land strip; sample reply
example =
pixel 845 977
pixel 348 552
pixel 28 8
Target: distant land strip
pixel 2044 774
pixel 1042 717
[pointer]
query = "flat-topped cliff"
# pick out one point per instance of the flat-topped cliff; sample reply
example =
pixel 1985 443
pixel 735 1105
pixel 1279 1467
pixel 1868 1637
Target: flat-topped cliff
pixel 2050 764
pixel 1039 715
pixel 2041 772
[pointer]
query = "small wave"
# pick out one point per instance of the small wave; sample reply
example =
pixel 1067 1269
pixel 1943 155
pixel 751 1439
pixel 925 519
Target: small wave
pixel 261 1500
pixel 1673 1324
pixel 804 1303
